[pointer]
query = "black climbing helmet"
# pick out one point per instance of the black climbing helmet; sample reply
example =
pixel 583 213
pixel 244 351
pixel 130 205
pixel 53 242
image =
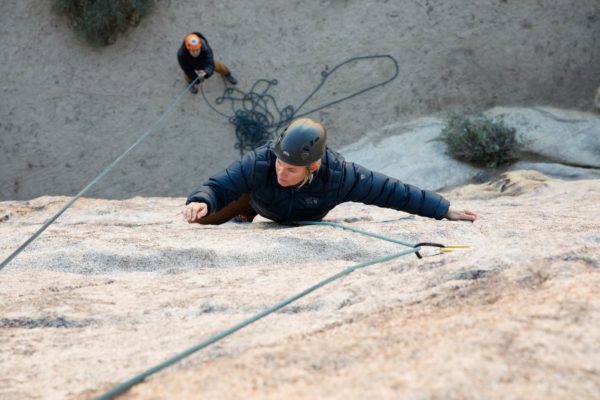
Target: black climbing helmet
pixel 301 143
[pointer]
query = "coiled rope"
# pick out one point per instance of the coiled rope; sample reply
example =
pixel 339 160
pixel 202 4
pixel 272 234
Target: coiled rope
pixel 122 387
pixel 257 116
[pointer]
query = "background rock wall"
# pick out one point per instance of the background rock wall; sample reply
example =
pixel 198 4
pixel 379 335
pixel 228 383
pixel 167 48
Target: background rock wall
pixel 68 110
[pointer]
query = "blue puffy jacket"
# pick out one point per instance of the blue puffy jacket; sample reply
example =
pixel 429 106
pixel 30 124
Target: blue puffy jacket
pixel 337 181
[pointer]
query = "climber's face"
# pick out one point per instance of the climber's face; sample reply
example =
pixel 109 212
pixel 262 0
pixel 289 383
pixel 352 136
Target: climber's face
pixel 289 175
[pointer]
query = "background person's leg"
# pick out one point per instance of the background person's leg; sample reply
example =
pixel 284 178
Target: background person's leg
pixel 221 69
pixel 193 88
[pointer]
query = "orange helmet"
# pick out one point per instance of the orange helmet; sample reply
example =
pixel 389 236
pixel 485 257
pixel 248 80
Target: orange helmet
pixel 193 42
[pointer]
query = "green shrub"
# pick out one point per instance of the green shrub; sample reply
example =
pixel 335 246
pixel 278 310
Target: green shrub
pixel 480 140
pixel 99 21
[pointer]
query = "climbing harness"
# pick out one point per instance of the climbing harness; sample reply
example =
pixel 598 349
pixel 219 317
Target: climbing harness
pixel 413 248
pixel 256 115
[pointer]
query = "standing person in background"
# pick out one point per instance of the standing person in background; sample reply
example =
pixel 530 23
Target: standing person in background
pixel 299 178
pixel 195 57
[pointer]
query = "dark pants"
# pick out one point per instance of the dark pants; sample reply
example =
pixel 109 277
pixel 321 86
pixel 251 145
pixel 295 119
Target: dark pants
pixel 240 206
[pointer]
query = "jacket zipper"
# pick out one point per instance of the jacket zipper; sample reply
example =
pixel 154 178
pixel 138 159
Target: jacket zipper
pixel 289 214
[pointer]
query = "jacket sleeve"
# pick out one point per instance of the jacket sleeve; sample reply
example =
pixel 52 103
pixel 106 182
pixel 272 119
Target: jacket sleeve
pixel 226 186
pixel 186 67
pixel 369 187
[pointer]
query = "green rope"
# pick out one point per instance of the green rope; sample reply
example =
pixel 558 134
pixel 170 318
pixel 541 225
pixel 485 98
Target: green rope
pixel 348 228
pixel 122 387
pixel 416 245
pixel 93 182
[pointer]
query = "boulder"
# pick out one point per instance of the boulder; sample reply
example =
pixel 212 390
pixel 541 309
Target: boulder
pixel 412 152
pixel 556 170
pixel 564 136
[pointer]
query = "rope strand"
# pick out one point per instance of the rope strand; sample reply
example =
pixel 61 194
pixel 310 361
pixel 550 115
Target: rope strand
pixel 122 387
pixel 256 115
pixel 94 181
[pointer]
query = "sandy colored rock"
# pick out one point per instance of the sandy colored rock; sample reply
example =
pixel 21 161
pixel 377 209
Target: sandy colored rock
pixel 556 170
pixel 566 136
pixel 512 183
pixel 116 287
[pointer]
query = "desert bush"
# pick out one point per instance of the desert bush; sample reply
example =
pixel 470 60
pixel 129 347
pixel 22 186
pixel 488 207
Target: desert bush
pixel 99 21
pixel 480 140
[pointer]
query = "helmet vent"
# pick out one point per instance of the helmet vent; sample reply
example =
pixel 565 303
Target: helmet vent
pixel 301 143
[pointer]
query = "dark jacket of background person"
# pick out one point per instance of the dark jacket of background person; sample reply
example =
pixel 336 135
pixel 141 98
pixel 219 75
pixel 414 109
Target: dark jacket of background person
pixel 205 61
pixel 336 181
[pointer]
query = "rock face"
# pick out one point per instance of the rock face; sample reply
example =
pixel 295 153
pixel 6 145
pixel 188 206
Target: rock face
pixel 566 136
pixel 565 142
pixel 116 287
pixel 62 122
pixel 412 152
pixel 597 99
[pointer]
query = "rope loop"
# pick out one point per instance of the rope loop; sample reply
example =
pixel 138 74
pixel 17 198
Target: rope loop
pixel 257 117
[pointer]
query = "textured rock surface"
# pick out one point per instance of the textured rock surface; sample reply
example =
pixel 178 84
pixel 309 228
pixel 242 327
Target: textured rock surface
pixel 565 136
pixel 412 152
pixel 116 287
